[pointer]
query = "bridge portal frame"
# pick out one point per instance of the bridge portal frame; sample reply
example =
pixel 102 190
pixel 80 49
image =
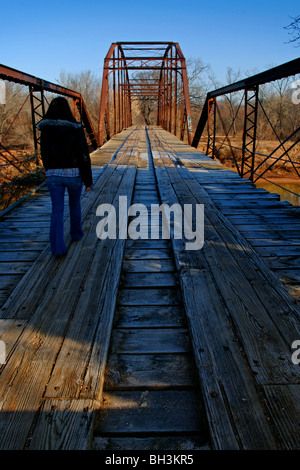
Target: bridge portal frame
pixel 169 88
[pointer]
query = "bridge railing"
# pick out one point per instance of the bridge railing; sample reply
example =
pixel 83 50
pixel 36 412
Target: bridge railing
pixel 16 166
pixel 212 131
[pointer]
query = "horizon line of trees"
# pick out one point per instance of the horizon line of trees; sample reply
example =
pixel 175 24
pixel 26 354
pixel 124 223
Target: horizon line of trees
pixel 276 98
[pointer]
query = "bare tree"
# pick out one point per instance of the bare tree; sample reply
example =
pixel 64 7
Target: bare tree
pixel 231 101
pixel 146 107
pixel 15 118
pixel 89 85
pixel 294 30
pixel 198 87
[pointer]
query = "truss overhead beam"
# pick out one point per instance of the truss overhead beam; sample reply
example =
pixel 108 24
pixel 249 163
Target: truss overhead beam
pixel 13 75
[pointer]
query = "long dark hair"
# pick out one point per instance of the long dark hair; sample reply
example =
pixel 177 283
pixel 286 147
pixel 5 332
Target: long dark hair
pixel 59 109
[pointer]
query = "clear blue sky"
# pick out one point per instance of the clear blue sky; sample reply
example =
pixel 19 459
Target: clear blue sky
pixel 42 38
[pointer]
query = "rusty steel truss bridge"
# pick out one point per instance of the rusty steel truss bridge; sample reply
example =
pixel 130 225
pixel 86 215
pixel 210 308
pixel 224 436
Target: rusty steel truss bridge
pixel 157 72
pixel 134 341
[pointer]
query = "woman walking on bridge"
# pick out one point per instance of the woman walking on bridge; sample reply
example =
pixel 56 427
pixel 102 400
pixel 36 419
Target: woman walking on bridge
pixel 66 159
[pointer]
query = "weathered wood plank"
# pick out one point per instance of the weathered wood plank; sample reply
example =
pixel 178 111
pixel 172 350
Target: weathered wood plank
pixel 272 242
pixel 284 235
pixel 8 282
pixel 20 256
pixel 265 219
pixel 148 266
pixel 23 245
pixel 149 296
pixel 242 211
pixel 245 198
pixel 213 263
pixel 24 232
pixel 30 238
pixel 139 253
pixel 143 412
pixel 149 371
pixel 233 274
pixel 262 204
pixel 263 226
pixel 288 275
pixel 144 244
pixel 149 316
pixel 11 268
pixel 70 372
pixel 52 292
pixel 283 403
pixel 34 282
pixel 184 443
pixel 55 420
pixel 231 399
pixel 283 262
pixel 147 280
pixel 25 224
pixel 150 341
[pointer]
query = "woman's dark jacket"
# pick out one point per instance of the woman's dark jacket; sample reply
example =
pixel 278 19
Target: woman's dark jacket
pixel 63 145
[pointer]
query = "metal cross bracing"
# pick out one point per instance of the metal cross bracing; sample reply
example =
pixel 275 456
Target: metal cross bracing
pixel 37 97
pixel 145 71
pixel 252 164
pixel 37 88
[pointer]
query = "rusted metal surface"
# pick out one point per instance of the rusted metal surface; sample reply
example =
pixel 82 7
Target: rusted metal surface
pixel 164 81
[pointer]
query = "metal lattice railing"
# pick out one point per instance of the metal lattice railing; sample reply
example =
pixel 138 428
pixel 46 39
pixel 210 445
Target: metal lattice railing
pixel 247 160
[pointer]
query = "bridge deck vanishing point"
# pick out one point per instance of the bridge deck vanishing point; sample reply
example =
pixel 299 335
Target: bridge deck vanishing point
pixel 142 344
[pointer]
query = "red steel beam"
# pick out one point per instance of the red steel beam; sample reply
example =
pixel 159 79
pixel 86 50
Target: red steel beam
pixel 7 73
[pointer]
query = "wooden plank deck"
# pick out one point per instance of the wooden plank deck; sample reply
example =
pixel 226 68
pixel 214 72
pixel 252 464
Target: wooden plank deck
pixel 271 226
pixel 141 344
pixel 24 227
pixel 242 320
pixel 58 302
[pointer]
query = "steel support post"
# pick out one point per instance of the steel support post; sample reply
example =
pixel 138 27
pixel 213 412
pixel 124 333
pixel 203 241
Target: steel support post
pixel 119 95
pixel 175 96
pixel 37 114
pixel 170 93
pixel 104 99
pixel 114 97
pixel 182 120
pixel 249 134
pixel 188 109
pixel 211 127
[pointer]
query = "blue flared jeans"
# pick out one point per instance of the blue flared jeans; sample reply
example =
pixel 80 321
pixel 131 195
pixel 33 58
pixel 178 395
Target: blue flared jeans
pixel 57 186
